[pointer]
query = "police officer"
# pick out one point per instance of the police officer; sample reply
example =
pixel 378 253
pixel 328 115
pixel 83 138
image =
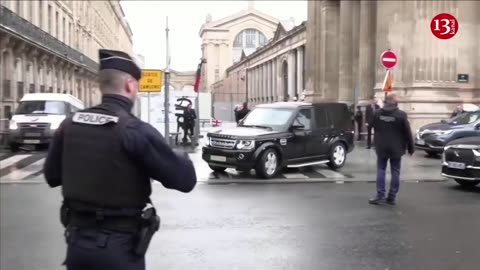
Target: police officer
pixel 189 122
pixel 104 158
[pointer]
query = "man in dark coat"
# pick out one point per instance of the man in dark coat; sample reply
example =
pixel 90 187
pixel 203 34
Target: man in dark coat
pixel 359 120
pixel 392 137
pixel 369 115
pixel 243 112
pixel 189 122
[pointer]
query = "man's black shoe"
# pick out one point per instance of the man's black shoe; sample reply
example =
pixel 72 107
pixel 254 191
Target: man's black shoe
pixel 376 200
pixel 390 201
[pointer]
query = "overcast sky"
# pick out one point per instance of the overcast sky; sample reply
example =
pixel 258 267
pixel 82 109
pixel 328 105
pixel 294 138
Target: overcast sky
pixel 147 21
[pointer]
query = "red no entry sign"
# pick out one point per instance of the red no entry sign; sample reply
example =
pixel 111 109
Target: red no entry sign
pixel 389 59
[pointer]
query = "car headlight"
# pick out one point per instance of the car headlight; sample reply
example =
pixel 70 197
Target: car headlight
pixel 12 125
pixel 442 132
pixel 246 144
pixel 55 125
pixel 207 142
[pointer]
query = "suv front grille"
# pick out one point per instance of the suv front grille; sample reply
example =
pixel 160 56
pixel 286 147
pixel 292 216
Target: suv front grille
pixel 222 143
pixel 460 155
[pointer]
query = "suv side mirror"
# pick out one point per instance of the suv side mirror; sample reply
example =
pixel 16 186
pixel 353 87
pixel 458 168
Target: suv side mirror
pixel 298 127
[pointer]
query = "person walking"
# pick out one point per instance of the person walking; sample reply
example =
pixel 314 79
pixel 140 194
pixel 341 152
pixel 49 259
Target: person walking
pixel 369 115
pixel 243 112
pixel 458 110
pixel 359 120
pixel 189 122
pixel 392 137
pixel 103 158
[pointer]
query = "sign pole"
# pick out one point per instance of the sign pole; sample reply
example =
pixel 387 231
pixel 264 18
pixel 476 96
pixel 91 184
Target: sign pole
pixel 148 106
pixel 167 89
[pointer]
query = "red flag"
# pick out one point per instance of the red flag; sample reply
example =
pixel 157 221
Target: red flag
pixel 197 78
pixel 388 85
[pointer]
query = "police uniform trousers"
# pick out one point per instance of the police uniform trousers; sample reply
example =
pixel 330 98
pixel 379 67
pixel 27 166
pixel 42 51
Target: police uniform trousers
pixel 99 249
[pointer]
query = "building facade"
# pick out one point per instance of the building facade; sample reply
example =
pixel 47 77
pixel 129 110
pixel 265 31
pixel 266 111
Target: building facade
pixel 225 40
pixel 52 46
pixel 273 73
pixel 346 38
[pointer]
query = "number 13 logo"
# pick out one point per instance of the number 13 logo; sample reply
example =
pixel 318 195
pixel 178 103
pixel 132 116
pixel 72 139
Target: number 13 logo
pixel 444 26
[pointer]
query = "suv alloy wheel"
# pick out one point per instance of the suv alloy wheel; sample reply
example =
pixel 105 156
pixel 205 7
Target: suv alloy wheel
pixel 268 164
pixel 338 156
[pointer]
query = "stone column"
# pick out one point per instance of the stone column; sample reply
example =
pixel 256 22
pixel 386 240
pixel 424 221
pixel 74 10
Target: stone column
pixel 36 79
pixel 311 48
pixel 274 80
pixel 270 81
pixel 278 74
pixel 468 44
pixel 345 82
pixel 265 82
pixel 44 74
pixel 291 75
pixel 366 74
pixel 355 47
pixel 299 72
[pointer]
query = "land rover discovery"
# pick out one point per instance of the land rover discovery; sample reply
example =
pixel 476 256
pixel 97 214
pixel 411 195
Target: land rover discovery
pixel 284 134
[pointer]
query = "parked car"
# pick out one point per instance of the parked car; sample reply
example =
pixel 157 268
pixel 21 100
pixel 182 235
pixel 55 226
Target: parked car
pixel 284 134
pixel 461 161
pixel 432 138
pixel 38 116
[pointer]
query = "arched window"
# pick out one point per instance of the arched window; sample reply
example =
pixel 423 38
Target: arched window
pixel 248 40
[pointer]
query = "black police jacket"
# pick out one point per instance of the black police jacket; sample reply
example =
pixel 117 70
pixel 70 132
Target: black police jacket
pixel 392 132
pixel 110 161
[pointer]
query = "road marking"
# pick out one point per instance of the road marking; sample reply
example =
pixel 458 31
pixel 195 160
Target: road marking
pixel 12 160
pixel 295 176
pixel 330 173
pixel 25 172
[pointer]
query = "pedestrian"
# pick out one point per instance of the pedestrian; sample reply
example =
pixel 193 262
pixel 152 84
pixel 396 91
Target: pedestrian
pixel 235 112
pixel 189 122
pixel 369 115
pixel 392 137
pixel 359 121
pixel 103 157
pixel 458 110
pixel 243 112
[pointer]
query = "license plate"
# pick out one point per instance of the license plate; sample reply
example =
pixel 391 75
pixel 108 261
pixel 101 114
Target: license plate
pixel 456 165
pixel 420 142
pixel 31 134
pixel 31 141
pixel 218 158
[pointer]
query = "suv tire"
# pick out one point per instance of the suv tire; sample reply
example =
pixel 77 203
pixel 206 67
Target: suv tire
pixel 466 183
pixel 217 168
pixel 14 147
pixel 268 164
pixel 337 156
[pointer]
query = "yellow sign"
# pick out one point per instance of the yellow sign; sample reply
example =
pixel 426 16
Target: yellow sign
pixel 151 81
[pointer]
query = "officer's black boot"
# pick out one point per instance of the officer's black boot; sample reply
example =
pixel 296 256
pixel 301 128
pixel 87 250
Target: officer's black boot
pixel 391 200
pixel 376 200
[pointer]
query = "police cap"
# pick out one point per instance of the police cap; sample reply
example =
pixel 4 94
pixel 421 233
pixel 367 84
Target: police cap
pixel 110 59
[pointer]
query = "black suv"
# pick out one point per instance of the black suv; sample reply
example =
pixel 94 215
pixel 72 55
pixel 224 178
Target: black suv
pixel 283 134
pixel 432 138
pixel 461 161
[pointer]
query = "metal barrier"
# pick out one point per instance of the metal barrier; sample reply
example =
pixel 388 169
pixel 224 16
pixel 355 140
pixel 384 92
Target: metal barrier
pixel 4 123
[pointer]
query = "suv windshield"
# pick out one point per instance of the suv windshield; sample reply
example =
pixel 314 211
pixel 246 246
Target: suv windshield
pixel 41 107
pixel 275 119
pixel 465 118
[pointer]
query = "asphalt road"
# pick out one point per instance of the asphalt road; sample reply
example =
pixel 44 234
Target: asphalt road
pixel 290 226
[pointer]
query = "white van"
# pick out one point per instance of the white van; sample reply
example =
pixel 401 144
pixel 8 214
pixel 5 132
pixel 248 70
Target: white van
pixel 38 116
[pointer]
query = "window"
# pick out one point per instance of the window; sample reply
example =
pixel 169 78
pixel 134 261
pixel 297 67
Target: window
pixel 321 119
pixel 268 117
pixel 49 19
pixel 465 118
pixel 64 37
pixel 41 107
pixel 304 118
pixel 57 26
pixel 250 38
pixel 262 40
pixel 238 42
pixel 69 40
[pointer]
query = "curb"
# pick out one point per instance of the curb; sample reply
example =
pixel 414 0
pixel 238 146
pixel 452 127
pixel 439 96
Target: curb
pixel 304 181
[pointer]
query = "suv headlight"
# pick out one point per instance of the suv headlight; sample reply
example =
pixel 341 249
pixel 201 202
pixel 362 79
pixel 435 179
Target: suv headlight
pixel 12 125
pixel 207 142
pixel 246 144
pixel 55 125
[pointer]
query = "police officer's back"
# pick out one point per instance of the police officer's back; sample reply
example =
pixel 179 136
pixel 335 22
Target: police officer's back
pixel 104 158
